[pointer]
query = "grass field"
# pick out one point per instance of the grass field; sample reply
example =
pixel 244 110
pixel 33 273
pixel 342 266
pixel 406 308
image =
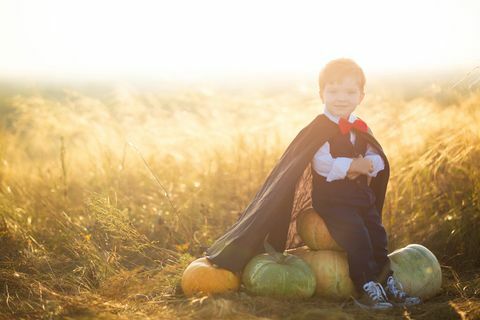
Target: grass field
pixel 107 192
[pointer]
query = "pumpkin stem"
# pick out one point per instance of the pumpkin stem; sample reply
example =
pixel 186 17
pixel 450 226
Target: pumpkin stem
pixel 279 257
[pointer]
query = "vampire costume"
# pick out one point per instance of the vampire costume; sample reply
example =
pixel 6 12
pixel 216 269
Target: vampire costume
pixel 285 193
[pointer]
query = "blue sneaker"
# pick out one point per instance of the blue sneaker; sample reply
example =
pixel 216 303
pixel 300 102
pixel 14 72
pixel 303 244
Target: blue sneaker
pixel 373 297
pixel 397 296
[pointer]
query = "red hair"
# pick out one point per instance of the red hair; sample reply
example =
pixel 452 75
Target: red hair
pixel 338 69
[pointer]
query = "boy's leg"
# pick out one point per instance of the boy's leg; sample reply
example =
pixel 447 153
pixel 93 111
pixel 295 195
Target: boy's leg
pixel 378 238
pixel 347 228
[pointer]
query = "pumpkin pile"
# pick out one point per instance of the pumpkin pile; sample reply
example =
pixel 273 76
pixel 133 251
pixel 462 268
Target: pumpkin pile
pixel 269 274
pixel 414 266
pixel 320 267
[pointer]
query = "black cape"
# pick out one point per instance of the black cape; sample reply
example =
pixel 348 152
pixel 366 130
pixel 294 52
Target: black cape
pixel 285 193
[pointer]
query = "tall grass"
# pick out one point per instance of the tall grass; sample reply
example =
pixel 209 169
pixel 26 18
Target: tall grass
pixel 85 224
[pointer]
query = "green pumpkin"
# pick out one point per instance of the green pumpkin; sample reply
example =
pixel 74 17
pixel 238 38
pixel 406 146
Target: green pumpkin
pixel 418 270
pixel 278 275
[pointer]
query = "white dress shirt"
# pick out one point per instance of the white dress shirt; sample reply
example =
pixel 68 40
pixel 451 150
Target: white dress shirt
pixel 336 168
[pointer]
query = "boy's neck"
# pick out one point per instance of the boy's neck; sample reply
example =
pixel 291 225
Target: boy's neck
pixel 336 119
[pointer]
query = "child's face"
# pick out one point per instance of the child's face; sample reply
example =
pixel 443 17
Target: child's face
pixel 341 98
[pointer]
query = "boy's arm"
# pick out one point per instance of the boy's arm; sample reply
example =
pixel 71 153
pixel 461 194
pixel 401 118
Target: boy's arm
pixel 377 161
pixel 331 168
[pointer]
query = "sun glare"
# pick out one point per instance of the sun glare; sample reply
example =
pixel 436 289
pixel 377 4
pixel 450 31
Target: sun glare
pixel 159 38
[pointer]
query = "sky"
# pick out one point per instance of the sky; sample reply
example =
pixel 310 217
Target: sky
pixel 179 38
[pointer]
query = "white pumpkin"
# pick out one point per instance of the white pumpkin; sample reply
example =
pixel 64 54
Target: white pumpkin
pixel 418 270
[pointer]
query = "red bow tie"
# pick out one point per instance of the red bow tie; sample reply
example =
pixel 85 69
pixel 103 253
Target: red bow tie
pixel 358 124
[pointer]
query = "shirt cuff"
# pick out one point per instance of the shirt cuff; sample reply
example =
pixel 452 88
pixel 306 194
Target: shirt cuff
pixel 339 168
pixel 378 164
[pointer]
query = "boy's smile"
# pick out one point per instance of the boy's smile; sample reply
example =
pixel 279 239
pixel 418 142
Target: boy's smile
pixel 341 98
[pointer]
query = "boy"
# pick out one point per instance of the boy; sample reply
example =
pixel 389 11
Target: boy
pixel 348 186
pixel 342 170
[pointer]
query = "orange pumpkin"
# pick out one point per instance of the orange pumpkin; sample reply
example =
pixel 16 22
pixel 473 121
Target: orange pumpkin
pixel 314 232
pixel 331 271
pixel 201 276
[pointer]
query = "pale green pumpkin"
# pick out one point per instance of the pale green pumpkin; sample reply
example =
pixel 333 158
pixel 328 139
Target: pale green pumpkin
pixel 418 270
pixel 278 275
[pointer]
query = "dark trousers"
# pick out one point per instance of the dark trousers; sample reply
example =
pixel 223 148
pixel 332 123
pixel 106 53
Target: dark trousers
pixel 359 231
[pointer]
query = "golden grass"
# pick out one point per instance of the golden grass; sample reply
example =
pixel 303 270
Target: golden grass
pixel 104 199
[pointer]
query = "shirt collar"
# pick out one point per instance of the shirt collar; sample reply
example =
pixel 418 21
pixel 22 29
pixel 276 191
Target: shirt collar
pixel 336 119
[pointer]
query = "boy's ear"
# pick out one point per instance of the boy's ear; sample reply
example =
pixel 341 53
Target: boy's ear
pixel 362 95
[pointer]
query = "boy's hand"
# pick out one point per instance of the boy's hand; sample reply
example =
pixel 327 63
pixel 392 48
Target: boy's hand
pixel 352 175
pixel 361 165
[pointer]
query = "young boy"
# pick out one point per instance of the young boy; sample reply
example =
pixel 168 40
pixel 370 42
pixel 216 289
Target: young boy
pixel 336 165
pixel 342 169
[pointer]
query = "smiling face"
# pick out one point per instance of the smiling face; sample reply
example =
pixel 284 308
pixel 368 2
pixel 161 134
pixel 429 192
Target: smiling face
pixel 342 97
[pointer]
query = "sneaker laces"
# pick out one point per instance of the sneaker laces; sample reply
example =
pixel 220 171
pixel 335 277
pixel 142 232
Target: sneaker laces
pixel 395 288
pixel 375 291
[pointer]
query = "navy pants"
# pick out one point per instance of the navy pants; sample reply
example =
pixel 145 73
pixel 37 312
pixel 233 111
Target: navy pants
pixel 359 231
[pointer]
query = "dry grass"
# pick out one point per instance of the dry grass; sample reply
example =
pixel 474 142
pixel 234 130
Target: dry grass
pixel 91 228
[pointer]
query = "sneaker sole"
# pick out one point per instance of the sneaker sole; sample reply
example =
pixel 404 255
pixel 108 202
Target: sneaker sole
pixel 404 304
pixel 368 307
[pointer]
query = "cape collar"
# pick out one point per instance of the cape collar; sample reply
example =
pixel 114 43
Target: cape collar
pixel 336 119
